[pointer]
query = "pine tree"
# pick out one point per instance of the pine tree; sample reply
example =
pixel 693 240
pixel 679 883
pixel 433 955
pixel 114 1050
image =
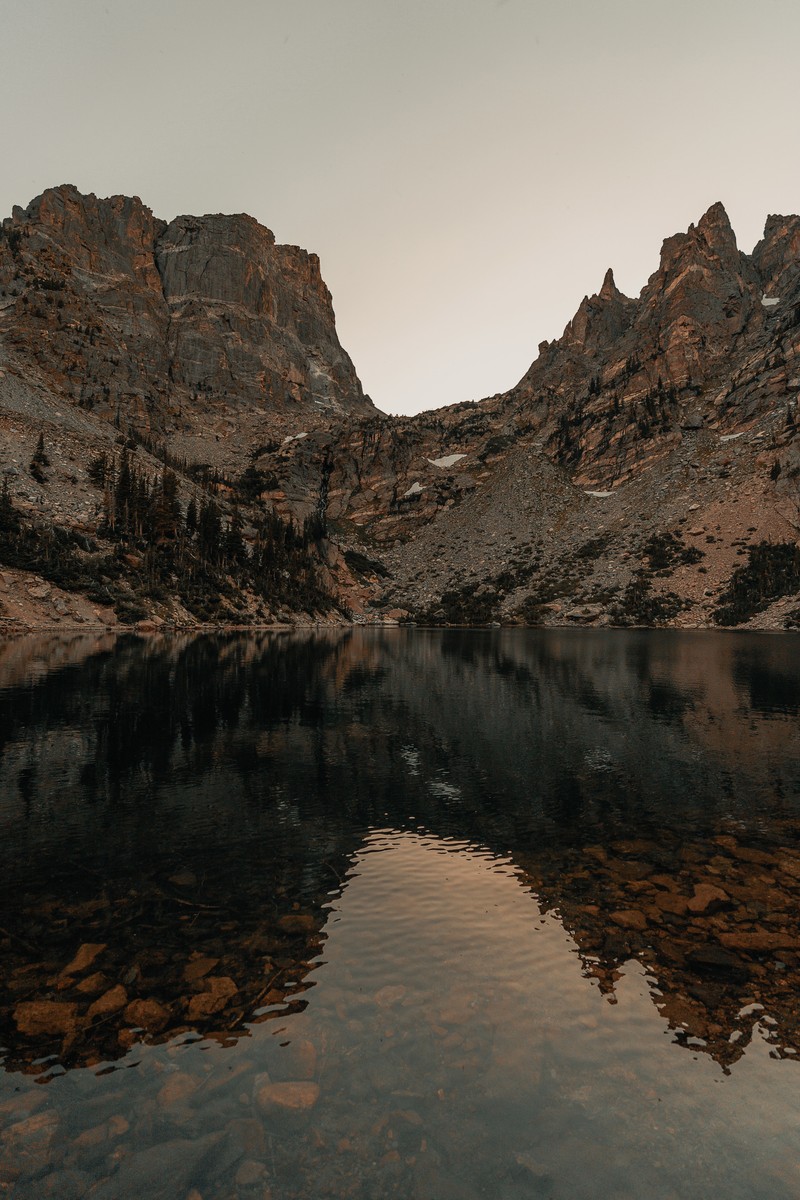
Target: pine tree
pixel 191 517
pixel 39 461
pixel 166 508
pixel 209 532
pixel 9 518
pixel 123 496
pixel 234 547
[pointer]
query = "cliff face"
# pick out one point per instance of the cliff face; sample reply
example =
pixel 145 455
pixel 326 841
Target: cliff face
pixel 640 461
pixel 175 331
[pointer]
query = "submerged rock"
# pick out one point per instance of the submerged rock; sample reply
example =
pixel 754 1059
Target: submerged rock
pixel 35 1018
pixel 84 958
pixel 147 1014
pixel 292 1097
pixel 110 1002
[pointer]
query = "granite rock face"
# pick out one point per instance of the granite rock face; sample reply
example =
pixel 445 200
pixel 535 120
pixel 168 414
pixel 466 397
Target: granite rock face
pixel 172 330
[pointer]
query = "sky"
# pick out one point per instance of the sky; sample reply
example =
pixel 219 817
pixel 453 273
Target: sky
pixel 465 169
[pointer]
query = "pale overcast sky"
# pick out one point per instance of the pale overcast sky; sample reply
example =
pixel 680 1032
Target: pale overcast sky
pixel 466 169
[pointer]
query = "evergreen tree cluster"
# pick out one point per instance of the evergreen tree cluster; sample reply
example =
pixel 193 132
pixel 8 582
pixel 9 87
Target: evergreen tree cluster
pixel 201 556
pixel 772 571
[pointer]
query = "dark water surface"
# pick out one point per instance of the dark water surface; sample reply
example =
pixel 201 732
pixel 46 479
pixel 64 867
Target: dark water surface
pixel 400 913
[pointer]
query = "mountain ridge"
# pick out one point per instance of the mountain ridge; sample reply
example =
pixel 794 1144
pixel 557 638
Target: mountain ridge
pixel 212 348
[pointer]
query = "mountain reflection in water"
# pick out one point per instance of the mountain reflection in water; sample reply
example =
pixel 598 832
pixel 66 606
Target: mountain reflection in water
pixel 400 912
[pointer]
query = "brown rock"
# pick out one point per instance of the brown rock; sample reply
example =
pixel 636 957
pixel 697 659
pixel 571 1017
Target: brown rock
pixel 390 995
pixel 219 991
pixel 629 918
pixel 761 941
pixel 111 1001
pixel 178 1088
pixel 198 967
pixel 297 1060
pixel 289 1098
pixel 92 984
pixel 707 898
pixel 38 1018
pixel 298 923
pixel 184 879
pixel 671 902
pixel 250 1173
pixel 148 1015
pixel 25 1146
pixel 84 958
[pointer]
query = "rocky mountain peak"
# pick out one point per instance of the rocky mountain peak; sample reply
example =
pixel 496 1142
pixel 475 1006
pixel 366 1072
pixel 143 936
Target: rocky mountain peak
pixel 600 318
pixel 609 290
pixel 170 329
pixel 715 226
pixel 777 255
pixel 705 247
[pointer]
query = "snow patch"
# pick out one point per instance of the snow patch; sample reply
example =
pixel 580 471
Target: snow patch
pixel 599 495
pixel 414 490
pixel 770 301
pixel 294 437
pixel 447 461
pixel 731 437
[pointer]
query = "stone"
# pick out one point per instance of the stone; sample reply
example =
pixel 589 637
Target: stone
pixel 715 958
pixel 671 902
pixel 147 1014
pixel 198 967
pixel 84 958
pixel 219 990
pixel 26 1145
pixel 41 1018
pixel 297 923
pixel 297 1060
pixel 162 1171
pixel 178 1087
pixel 760 941
pixel 390 995
pixel 294 1097
pixel 65 1185
pixel 114 1000
pixel 250 1173
pixel 708 898
pixel 629 918
pixel 92 984
pixel 184 879
pixel 248 1136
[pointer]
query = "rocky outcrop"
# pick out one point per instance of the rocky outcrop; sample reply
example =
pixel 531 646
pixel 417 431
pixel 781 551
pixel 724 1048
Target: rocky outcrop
pixel 186 332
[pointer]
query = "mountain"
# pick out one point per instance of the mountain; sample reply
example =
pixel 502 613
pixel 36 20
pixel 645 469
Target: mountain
pixel 643 471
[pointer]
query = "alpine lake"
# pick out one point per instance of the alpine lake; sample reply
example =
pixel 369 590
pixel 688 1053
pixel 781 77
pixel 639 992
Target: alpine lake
pixel 400 913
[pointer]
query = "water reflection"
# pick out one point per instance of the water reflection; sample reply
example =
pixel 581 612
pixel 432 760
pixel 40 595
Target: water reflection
pixel 453 912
